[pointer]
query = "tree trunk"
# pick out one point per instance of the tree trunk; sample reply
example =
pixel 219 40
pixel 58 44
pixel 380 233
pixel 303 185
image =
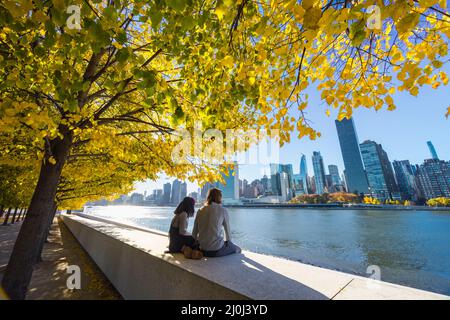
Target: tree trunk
pixel 5 222
pixel 24 214
pixel 2 208
pixel 14 216
pixel 18 216
pixel 44 240
pixel 19 270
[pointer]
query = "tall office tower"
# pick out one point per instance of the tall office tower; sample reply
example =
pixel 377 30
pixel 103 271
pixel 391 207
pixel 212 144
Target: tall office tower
pixel 432 150
pixel 304 174
pixel 183 190
pixel 230 189
pixel 275 170
pixel 266 184
pixel 176 192
pixel 167 188
pixel 434 177
pixel 319 172
pixel 285 188
pixel 379 171
pixel 355 176
pixel 336 182
pixel 404 175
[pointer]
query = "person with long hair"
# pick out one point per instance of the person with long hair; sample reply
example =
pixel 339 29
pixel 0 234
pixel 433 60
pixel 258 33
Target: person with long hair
pixel 208 225
pixel 180 238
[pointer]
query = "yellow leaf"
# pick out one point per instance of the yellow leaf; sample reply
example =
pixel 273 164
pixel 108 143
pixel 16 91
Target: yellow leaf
pixel 228 61
pixel 220 12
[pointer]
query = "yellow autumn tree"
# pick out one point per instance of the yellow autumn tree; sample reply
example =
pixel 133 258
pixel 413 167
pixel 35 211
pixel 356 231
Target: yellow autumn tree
pixel 105 84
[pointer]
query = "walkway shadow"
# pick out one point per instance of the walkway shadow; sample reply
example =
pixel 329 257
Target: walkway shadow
pixel 50 276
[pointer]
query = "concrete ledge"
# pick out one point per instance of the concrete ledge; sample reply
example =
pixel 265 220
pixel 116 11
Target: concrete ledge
pixel 134 261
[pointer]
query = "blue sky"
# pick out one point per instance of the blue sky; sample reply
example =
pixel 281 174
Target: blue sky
pixel 403 133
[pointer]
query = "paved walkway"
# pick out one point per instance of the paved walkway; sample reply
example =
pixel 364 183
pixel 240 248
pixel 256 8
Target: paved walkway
pixel 50 276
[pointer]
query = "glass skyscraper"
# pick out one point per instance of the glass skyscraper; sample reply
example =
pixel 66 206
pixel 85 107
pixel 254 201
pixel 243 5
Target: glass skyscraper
pixel 404 175
pixel 379 171
pixel 319 172
pixel 303 174
pixel 432 150
pixel 230 190
pixel 355 176
pixel 277 179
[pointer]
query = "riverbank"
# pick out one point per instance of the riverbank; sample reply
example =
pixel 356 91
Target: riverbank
pixel 334 206
pixel 50 275
pixel 339 206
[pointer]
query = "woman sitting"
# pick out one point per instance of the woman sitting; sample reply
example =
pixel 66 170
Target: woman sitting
pixel 208 227
pixel 178 234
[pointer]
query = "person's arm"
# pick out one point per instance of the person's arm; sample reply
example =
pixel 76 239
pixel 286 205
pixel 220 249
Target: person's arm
pixel 183 224
pixel 226 225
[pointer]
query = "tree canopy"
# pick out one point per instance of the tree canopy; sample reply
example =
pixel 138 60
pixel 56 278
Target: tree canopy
pixel 92 92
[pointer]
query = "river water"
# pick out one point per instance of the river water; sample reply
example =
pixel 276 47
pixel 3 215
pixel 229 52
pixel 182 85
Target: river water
pixel 411 248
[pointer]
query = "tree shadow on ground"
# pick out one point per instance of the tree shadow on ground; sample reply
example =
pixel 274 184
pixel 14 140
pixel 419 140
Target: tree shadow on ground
pixel 50 276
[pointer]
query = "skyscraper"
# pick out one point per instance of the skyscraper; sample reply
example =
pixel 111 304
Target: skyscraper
pixel 405 179
pixel 355 176
pixel 176 192
pixel 319 172
pixel 334 172
pixel 434 177
pixel 379 171
pixel 275 178
pixel 303 174
pixel 230 189
pixel 432 150
pixel 166 192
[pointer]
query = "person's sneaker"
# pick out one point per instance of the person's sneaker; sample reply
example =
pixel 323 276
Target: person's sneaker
pixel 197 254
pixel 187 251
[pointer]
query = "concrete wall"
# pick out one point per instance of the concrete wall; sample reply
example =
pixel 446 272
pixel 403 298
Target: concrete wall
pixel 136 274
pixel 134 260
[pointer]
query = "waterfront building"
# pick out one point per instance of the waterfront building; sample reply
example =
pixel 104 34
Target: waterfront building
pixel 167 190
pixel 136 199
pixel 434 178
pixel 355 176
pixel 303 174
pixel 176 192
pixel 405 177
pixel 266 184
pixel 183 190
pixel 319 172
pixel 432 150
pixel 379 171
pixel 275 178
pixel 230 187
pixel 285 188
pixel 336 183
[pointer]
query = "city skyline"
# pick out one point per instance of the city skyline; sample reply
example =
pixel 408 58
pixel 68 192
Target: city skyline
pixel 403 133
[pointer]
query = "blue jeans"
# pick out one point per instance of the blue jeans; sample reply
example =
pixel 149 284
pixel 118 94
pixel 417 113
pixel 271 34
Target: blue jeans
pixel 227 249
